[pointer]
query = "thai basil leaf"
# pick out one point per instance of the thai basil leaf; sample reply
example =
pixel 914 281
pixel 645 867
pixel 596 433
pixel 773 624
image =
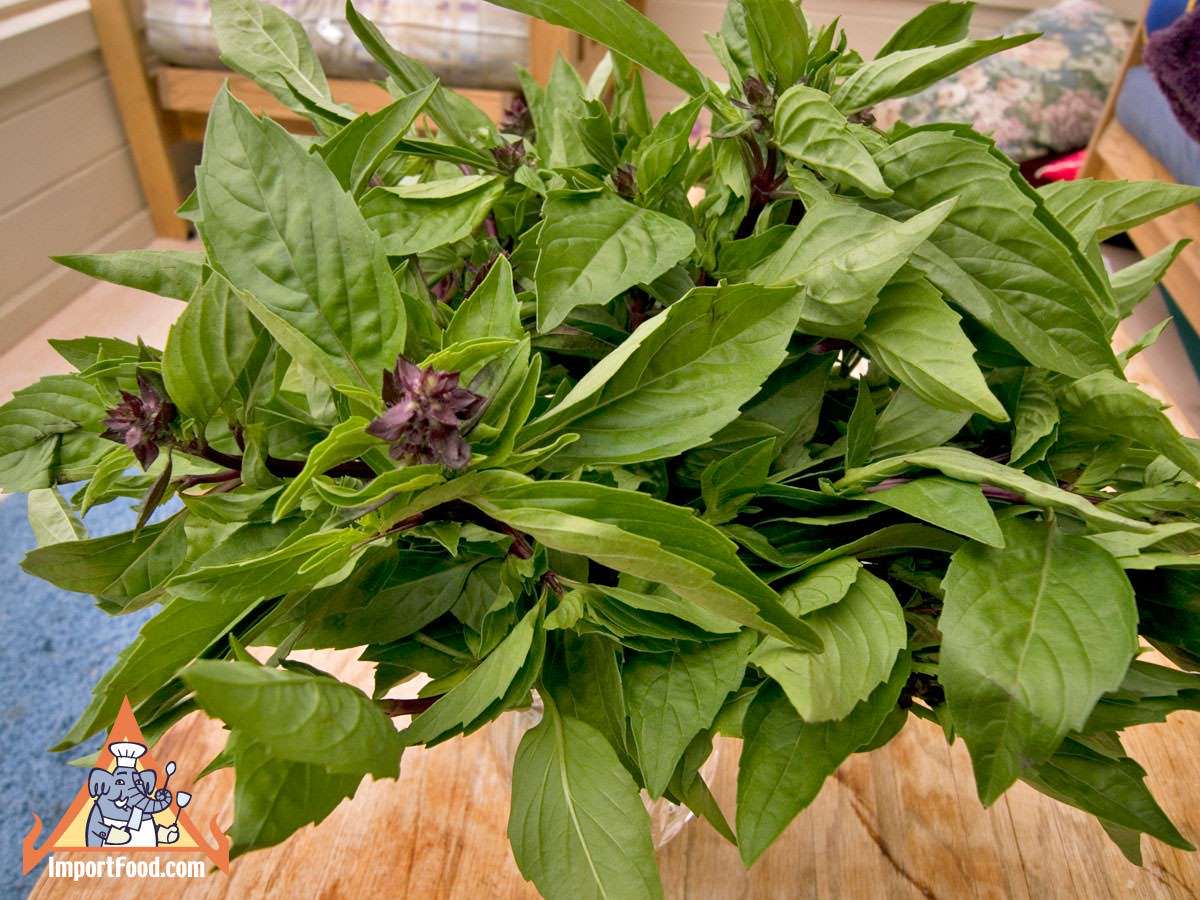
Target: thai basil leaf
pixel 491 310
pixel 263 42
pixel 1132 284
pixel 168 273
pixel 592 246
pixel 1096 210
pixel 957 506
pixel 1032 636
pixel 299 717
pixel 416 218
pixel 647 538
pixel 862 633
pixel 672 697
pixel 208 349
pixel 577 825
pixel 33 424
pixel 906 72
pixel 809 128
pixel 702 358
pixel 279 226
pixel 52 519
pixel 942 372
pixel 786 760
pixel 935 26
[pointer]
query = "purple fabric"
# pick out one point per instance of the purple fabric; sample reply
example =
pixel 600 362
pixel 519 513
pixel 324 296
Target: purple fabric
pixel 1173 56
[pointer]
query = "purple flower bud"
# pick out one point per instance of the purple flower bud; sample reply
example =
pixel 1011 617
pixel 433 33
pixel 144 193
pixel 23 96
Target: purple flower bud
pixel 517 118
pixel 424 411
pixel 509 157
pixel 624 179
pixel 757 93
pixel 143 422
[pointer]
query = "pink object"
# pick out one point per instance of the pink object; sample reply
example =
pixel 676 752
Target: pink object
pixel 1065 168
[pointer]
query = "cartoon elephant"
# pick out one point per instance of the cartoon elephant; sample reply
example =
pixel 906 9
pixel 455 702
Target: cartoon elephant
pixel 124 803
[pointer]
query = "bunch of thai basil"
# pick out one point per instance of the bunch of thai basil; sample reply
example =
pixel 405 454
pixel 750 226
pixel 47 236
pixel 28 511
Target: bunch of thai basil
pixel 787 435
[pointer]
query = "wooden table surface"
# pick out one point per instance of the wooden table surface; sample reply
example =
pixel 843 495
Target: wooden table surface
pixel 902 822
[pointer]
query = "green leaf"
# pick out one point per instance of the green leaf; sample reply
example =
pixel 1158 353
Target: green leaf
pixel 577 825
pixel 486 684
pixel 456 116
pixel 909 423
pixel 702 358
pixel 729 483
pixel 690 788
pixel 934 26
pixel 860 429
pixel 966 466
pixel 1132 284
pixel 491 310
pixel 264 43
pixel 168 273
pixel 841 256
pixel 208 350
pixel 386 603
pixel 957 506
pixel 942 371
pixel 594 245
pixel 1115 406
pixel 416 218
pixel 785 760
pixel 348 440
pixel 52 519
pixel 778 37
pixel 273 798
pixel 672 697
pixel 999 255
pixel 32 426
pixel 299 717
pixel 1096 210
pixel 862 633
pixel 661 151
pixel 1113 790
pixel 1032 636
pixel 355 152
pixel 809 128
pixel 280 227
pixel 821 586
pixel 1035 423
pixel 179 633
pixel 127 570
pixel 647 538
pixel 584 679
pixel 905 72
pixel 616 24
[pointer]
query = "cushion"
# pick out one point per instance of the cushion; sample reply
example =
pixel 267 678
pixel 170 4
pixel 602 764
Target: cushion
pixel 1040 98
pixel 1172 55
pixel 467 43
pixel 1146 114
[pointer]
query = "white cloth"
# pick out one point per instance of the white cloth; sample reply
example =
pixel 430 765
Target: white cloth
pixel 143 836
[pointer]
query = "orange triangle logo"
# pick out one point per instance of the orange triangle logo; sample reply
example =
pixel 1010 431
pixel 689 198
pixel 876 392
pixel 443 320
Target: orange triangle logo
pixel 126 806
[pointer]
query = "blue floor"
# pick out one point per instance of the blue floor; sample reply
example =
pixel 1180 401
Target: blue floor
pixel 55 646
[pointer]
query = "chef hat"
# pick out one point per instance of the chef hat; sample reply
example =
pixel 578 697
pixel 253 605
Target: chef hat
pixel 127 753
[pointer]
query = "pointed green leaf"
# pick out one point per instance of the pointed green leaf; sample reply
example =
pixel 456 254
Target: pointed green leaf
pixel 809 128
pixel 491 310
pixel 957 506
pixel 934 26
pixel 280 227
pixel 416 218
pixel 862 633
pixel 1032 636
pixel 577 825
pixel 299 717
pixel 168 273
pixel 593 246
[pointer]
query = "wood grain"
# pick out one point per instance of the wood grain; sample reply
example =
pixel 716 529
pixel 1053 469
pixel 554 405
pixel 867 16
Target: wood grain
pixel 902 822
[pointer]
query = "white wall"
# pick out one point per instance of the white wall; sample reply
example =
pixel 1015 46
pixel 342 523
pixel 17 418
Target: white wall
pixel 67 182
pixel 868 24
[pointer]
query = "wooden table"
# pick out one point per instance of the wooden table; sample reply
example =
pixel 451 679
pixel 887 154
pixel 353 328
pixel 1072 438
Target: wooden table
pixel 902 822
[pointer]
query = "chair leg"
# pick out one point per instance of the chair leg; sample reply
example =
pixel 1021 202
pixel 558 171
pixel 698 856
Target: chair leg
pixel 145 126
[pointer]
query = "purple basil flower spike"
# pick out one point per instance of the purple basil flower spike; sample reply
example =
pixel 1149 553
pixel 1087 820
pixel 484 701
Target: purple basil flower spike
pixel 424 411
pixel 517 117
pixel 141 422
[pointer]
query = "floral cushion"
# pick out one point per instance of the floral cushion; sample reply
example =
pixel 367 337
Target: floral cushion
pixel 1042 97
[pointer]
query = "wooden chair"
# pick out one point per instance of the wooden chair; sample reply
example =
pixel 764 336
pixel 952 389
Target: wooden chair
pixel 1114 153
pixel 162 105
